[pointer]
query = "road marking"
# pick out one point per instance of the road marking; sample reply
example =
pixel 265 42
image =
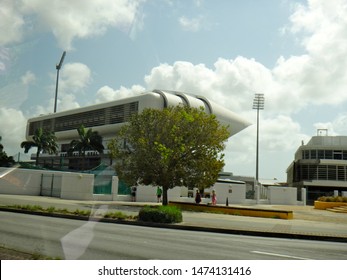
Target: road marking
pixel 278 255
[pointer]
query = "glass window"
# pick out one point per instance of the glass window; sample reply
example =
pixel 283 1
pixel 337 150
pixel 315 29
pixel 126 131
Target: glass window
pixel 320 154
pixel 328 154
pixel 313 154
pixel 338 155
pixel 341 173
pixel 332 172
pixel 312 172
pixel 322 172
pixel 306 154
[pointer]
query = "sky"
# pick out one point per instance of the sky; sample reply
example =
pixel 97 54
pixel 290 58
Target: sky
pixel 294 52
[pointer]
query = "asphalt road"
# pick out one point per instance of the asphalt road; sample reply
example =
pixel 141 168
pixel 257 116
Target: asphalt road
pixel 73 239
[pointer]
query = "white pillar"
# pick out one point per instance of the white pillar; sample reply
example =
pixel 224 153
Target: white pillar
pixel 303 195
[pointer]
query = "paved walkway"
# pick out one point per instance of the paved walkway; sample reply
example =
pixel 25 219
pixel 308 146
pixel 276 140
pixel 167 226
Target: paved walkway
pixel 308 223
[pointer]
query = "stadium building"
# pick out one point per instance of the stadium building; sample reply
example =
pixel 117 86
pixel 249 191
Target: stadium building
pixel 107 119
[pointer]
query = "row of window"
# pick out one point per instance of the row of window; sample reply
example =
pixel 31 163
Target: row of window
pixel 98 117
pixel 325 154
pixel 321 172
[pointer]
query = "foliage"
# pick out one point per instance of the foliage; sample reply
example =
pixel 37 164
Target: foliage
pixel 37 208
pixel 89 140
pixel 5 161
pixel 44 140
pixel 161 214
pixel 332 198
pixel 176 146
pixel 117 215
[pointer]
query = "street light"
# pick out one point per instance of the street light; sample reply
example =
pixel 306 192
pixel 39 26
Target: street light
pixel 58 66
pixel 258 104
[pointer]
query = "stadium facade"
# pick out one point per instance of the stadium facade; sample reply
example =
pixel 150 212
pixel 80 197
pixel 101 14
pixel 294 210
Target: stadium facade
pixel 108 118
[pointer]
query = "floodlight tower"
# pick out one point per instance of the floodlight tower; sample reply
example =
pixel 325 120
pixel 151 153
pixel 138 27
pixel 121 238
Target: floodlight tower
pixel 258 104
pixel 58 66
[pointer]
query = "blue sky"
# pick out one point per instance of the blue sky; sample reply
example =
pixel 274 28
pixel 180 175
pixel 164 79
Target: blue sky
pixel 295 52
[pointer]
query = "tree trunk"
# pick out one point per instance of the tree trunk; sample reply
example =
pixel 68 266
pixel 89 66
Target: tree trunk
pixel 37 157
pixel 165 198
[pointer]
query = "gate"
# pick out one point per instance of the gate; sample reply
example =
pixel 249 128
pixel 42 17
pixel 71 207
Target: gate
pixel 51 185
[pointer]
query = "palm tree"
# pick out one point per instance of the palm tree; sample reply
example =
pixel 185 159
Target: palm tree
pixel 89 141
pixel 44 140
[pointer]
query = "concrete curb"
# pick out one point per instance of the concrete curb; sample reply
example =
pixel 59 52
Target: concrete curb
pixel 274 234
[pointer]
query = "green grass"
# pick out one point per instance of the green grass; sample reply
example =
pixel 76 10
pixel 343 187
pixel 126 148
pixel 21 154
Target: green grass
pixel 161 214
pixel 78 212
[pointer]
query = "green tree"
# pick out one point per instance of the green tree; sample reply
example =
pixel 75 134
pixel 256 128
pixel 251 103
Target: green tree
pixel 1 146
pixel 89 141
pixel 176 146
pixel 44 140
pixel 4 159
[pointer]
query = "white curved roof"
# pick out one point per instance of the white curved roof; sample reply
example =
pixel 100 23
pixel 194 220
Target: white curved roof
pixel 106 118
pixel 224 116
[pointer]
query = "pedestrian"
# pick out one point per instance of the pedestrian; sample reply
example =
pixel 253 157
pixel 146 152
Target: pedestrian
pixel 214 197
pixel 197 197
pixel 133 193
pixel 159 193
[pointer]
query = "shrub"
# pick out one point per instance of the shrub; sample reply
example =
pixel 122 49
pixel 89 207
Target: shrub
pixel 332 198
pixel 161 214
pixel 117 215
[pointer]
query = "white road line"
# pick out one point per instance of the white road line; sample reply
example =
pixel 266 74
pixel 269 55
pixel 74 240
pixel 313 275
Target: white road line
pixel 278 255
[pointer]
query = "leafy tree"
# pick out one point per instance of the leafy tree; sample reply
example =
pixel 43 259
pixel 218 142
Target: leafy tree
pixel 89 141
pixel 176 146
pixel 44 140
pixel 4 159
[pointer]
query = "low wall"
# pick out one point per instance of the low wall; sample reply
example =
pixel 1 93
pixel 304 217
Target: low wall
pixel 234 193
pixel 77 186
pixel 64 185
pixel 322 205
pixel 282 195
pixel 20 181
pixel 240 211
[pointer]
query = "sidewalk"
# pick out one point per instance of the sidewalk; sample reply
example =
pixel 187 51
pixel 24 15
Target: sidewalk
pixel 308 223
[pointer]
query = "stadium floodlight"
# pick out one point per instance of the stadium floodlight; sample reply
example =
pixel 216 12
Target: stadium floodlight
pixel 58 66
pixel 258 104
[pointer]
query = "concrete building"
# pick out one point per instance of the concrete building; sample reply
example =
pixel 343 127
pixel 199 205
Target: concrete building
pixel 108 118
pixel 320 166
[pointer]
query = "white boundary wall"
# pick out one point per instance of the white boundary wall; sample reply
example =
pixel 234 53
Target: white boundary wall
pixel 28 182
pixel 79 186
pixel 282 195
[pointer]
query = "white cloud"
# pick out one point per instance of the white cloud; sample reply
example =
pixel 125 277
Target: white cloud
pixel 12 130
pixel 11 22
pixel 337 126
pixel 28 78
pixel 106 93
pixel 190 24
pixel 74 77
pixel 66 19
